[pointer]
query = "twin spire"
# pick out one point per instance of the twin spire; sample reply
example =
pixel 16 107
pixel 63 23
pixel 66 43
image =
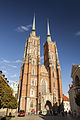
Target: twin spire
pixel 48 30
pixel 33 27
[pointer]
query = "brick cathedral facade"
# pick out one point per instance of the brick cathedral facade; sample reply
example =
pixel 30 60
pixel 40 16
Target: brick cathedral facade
pixel 40 87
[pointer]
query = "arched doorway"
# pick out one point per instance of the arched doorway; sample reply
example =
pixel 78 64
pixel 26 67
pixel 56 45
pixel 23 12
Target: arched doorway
pixel 48 105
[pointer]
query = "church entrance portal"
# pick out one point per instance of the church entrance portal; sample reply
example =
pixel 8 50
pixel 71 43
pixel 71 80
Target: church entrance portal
pixel 48 105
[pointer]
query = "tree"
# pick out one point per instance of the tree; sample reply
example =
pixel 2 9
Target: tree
pixel 7 100
pixel 77 99
pixel 13 103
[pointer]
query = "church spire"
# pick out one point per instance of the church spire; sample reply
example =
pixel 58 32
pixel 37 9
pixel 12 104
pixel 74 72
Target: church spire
pixel 48 32
pixel 33 27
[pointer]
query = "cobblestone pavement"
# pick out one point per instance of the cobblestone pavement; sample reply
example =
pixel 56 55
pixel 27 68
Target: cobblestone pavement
pixel 42 117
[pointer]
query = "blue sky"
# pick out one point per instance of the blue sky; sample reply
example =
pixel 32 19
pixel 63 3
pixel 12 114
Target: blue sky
pixel 15 26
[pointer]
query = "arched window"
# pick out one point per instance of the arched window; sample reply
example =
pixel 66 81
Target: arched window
pixel 77 81
pixel 32 82
pixel 31 104
pixel 33 62
pixel 32 92
pixel 43 86
pixel 54 97
pixel 53 73
pixel 33 71
pixel 52 56
pixel 53 70
pixel 34 42
pixel 34 52
pixel 53 84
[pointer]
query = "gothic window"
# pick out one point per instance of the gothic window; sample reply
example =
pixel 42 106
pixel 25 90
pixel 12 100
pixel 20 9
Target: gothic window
pixel 32 82
pixel 77 81
pixel 53 70
pixel 34 42
pixel 33 71
pixel 53 84
pixel 52 56
pixel 31 104
pixel 32 92
pixel 33 62
pixel 43 86
pixel 54 97
pixel 34 52
pixel 53 73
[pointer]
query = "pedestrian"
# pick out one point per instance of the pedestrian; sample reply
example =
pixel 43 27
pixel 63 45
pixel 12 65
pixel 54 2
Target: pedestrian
pixel 66 113
pixel 62 113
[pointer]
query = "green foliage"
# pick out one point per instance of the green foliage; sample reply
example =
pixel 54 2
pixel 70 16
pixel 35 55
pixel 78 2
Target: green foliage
pixel 7 100
pixel 13 103
pixel 77 99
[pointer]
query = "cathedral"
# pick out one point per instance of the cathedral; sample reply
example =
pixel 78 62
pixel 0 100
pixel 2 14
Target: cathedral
pixel 40 87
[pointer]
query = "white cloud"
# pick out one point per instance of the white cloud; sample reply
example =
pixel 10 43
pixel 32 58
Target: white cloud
pixel 18 61
pixel 7 61
pixel 13 66
pixel 23 28
pixel 78 33
pixel 13 76
pixel 4 71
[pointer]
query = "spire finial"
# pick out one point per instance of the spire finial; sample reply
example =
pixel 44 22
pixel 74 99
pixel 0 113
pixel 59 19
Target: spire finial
pixel 33 27
pixel 48 32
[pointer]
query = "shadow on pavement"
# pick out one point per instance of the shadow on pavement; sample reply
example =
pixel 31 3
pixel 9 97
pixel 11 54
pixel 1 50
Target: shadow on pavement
pixel 58 117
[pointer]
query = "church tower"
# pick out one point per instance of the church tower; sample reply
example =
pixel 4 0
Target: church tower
pixel 30 73
pixel 40 87
pixel 51 63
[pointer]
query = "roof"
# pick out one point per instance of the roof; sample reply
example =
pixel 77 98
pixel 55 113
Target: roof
pixel 65 98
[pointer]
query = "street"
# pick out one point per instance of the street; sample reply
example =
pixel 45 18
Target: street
pixel 42 117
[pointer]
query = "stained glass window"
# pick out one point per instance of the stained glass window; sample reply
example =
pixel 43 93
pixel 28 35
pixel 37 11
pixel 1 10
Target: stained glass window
pixel 43 86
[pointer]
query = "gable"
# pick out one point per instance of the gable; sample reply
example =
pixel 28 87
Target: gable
pixel 43 69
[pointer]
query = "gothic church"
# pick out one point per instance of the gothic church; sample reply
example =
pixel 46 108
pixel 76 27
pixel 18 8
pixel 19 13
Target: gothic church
pixel 40 87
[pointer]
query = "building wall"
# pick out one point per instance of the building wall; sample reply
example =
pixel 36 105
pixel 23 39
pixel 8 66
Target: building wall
pixel 35 96
pixel 66 106
pixel 74 89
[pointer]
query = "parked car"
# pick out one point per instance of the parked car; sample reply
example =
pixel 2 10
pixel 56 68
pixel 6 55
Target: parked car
pixel 21 113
